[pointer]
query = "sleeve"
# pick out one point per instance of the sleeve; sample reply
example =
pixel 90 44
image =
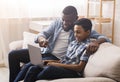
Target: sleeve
pixel 84 56
pixel 48 32
pixel 96 35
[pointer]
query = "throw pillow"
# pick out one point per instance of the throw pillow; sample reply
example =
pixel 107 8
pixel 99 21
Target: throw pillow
pixel 15 45
pixel 104 63
pixel 28 38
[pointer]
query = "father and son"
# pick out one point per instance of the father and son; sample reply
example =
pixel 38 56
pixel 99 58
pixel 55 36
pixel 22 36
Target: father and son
pixel 66 47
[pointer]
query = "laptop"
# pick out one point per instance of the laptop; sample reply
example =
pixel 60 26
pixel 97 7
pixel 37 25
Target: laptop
pixel 35 54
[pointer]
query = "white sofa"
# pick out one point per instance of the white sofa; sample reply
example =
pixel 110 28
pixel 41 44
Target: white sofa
pixel 103 66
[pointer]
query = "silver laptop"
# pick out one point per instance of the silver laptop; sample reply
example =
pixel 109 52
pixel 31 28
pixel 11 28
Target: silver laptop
pixel 35 54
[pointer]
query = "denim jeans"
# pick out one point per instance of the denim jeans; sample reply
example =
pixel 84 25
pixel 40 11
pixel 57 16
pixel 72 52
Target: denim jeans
pixel 26 67
pixel 49 73
pixel 14 59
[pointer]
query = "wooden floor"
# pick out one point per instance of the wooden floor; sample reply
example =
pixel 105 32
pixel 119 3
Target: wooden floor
pixel 4 74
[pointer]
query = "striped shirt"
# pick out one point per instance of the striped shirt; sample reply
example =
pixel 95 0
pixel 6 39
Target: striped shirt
pixel 76 52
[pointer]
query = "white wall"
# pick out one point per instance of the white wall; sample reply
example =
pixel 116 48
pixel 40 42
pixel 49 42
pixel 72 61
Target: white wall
pixel 117 24
pixel 51 8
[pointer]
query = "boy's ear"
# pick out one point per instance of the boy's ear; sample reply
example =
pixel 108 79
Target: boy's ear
pixel 88 32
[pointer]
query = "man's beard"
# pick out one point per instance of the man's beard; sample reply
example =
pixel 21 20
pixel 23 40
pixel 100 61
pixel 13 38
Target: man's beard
pixel 67 28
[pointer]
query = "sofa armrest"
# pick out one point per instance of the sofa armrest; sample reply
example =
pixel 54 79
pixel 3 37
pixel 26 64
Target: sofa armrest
pixel 16 45
pixel 104 63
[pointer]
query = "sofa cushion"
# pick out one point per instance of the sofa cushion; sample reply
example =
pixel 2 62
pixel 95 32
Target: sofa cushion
pixel 90 79
pixel 16 45
pixel 28 38
pixel 104 63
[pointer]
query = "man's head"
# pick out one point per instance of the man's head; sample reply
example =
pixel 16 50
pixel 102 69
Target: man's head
pixel 82 29
pixel 70 15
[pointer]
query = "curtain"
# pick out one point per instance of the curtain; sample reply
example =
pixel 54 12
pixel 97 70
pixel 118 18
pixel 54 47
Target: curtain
pixel 13 21
pixel 1 49
pixel 15 16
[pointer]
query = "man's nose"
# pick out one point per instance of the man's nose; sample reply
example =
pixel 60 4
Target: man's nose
pixel 66 23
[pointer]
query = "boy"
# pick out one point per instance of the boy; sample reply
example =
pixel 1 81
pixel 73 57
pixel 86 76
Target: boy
pixel 73 63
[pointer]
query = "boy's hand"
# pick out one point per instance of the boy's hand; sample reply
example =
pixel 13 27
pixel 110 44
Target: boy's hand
pixel 92 47
pixel 42 42
pixel 50 61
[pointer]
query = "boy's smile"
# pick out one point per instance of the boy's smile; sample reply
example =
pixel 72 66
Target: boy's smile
pixel 80 34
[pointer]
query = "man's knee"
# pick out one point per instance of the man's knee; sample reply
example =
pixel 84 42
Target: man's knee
pixel 11 54
pixel 46 73
pixel 48 69
pixel 26 66
pixel 34 68
pixel 18 53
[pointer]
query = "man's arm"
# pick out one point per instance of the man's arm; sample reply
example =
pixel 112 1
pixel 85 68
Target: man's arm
pixel 42 42
pixel 99 37
pixel 94 45
pixel 49 31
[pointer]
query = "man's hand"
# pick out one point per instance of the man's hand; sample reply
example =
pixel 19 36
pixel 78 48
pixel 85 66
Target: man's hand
pixel 92 47
pixel 42 42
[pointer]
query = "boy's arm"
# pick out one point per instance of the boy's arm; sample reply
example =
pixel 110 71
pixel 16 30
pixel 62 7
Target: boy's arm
pixel 45 62
pixel 76 67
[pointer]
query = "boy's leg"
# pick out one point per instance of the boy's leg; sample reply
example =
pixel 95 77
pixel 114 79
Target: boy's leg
pixel 23 72
pixel 32 73
pixel 52 72
pixel 14 59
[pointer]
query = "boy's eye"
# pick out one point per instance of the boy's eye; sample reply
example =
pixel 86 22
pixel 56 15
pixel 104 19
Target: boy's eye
pixel 77 32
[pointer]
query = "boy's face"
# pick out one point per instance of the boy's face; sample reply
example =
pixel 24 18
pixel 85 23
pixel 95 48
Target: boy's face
pixel 80 34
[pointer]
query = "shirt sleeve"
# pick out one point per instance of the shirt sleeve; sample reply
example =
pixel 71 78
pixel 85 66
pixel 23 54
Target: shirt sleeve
pixel 48 31
pixel 96 35
pixel 84 56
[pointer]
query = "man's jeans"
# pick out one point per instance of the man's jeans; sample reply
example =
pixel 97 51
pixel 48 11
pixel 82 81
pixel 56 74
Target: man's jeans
pixel 14 59
pixel 24 70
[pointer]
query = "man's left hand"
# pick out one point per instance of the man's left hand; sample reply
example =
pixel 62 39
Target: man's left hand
pixel 92 47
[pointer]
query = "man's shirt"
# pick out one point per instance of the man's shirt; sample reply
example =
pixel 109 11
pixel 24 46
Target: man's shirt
pixel 61 44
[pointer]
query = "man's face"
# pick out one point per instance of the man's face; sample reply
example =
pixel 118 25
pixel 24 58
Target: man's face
pixel 68 21
pixel 80 33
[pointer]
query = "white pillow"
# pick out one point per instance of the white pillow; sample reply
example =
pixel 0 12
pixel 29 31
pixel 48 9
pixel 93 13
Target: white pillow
pixel 104 63
pixel 16 45
pixel 28 38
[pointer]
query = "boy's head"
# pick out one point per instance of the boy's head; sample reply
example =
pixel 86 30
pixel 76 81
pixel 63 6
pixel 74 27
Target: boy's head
pixel 82 29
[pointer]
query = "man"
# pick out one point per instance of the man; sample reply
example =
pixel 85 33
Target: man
pixel 55 39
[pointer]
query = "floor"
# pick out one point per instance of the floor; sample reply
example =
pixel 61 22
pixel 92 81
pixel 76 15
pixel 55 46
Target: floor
pixel 4 75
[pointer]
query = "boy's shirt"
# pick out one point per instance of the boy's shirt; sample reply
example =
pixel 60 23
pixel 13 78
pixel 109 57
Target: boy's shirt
pixel 76 52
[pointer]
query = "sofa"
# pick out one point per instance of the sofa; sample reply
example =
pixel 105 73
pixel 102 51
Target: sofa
pixel 102 66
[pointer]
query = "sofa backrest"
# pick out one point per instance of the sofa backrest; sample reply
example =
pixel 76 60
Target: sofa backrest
pixel 104 63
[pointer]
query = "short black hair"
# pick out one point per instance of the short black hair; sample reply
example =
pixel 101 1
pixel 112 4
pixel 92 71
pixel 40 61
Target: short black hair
pixel 70 10
pixel 85 23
